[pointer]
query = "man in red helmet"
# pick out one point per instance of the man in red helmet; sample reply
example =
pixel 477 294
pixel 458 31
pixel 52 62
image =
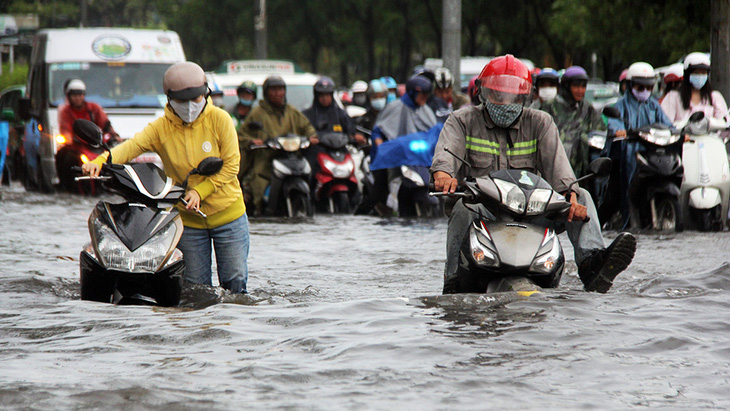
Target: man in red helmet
pixel 501 133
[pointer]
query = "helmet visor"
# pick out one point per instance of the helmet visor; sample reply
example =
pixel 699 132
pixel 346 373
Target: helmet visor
pixel 188 93
pixel 501 97
pixel 507 84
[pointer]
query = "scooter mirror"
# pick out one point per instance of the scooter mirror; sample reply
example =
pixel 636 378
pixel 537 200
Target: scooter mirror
pixel 209 166
pixel 601 166
pixel 89 132
pixel 611 112
pixel 697 116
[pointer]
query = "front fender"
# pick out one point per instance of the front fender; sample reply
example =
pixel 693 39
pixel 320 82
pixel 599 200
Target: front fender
pixel 704 198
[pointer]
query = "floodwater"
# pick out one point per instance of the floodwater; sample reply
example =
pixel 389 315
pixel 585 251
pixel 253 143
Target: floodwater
pixel 344 313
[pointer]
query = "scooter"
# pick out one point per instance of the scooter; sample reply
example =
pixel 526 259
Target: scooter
pixel 518 249
pixel 72 156
pixel 705 189
pixel 411 188
pixel 336 185
pixel 654 189
pixel 132 256
pixel 288 191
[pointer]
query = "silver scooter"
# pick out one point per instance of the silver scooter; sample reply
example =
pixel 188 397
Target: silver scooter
pixel 514 245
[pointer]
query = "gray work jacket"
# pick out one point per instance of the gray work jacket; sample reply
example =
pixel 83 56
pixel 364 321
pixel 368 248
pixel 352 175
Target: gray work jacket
pixel 531 144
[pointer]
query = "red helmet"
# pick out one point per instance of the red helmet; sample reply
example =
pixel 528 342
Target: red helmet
pixel 506 74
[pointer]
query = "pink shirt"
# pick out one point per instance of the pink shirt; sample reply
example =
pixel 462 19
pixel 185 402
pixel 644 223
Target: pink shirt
pixel 673 108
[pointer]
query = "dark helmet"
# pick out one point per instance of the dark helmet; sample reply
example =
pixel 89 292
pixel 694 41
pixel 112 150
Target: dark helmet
pixel 247 86
pixel 573 73
pixel 324 85
pixel 418 84
pixel 273 81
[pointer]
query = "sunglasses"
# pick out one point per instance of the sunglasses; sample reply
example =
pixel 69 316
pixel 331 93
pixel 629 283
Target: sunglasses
pixel 640 88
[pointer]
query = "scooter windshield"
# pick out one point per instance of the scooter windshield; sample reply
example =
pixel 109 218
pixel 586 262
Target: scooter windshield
pixel 149 179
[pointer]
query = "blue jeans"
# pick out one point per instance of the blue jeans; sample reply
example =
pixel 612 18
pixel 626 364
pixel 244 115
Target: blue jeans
pixel 231 243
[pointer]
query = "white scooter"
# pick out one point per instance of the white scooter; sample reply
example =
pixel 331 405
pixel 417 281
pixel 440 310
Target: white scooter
pixel 705 189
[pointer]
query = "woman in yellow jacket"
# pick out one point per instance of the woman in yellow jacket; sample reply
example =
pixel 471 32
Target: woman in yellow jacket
pixel 191 130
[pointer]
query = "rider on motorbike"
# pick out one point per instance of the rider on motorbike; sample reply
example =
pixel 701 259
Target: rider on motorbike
pixel 77 107
pixel 575 117
pixel 546 83
pixel 637 108
pixel 407 115
pixel 277 118
pixel 501 133
pixel 695 92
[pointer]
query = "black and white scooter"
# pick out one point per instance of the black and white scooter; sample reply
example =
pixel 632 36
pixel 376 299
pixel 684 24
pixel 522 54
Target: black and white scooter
pixel 132 257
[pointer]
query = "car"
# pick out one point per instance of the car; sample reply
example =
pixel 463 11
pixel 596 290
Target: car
pixel 231 73
pixel 602 93
pixel 9 113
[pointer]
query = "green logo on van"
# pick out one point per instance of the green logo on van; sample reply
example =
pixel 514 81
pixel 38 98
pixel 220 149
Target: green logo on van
pixel 111 47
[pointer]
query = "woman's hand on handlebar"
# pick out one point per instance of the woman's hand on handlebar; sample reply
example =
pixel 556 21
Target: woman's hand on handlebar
pixel 91 169
pixel 192 199
pixel 577 212
pixel 443 182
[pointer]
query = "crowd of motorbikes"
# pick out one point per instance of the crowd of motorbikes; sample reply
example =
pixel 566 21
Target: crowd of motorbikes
pixel 682 179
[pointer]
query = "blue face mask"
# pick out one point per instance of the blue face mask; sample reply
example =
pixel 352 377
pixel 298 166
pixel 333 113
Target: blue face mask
pixel 698 80
pixel 391 97
pixel 245 102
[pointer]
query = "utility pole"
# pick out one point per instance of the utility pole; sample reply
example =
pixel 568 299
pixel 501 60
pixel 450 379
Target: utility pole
pixel 451 39
pixel 259 24
pixel 720 46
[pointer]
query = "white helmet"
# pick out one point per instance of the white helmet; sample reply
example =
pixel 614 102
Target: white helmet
pixel 696 60
pixel 443 78
pixel 641 73
pixel 75 85
pixel 359 87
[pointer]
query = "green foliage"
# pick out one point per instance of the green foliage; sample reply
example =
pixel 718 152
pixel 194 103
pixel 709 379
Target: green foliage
pixel 18 76
pixel 362 39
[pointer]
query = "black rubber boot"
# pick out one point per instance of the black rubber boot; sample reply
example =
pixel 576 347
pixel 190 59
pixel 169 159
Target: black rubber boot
pixel 600 267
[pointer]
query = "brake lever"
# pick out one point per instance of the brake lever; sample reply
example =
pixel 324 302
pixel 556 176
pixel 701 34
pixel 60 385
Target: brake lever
pixel 202 214
pixel 100 178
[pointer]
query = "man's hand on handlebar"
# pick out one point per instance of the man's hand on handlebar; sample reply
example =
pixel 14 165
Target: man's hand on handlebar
pixel 314 139
pixel 577 212
pixel 443 182
pixel 91 169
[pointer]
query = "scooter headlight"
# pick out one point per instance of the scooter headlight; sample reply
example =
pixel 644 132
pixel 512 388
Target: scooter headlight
pixel 597 140
pixel 289 143
pixel 512 196
pixel 660 137
pixel 339 170
pixel 538 201
pixel 149 257
pixel 549 254
pixel 483 251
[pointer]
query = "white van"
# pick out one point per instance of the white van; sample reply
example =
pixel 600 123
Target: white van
pixel 230 75
pixel 122 69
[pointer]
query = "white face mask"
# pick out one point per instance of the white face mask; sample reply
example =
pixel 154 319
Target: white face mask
pixel 547 93
pixel 188 110
pixel 378 103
